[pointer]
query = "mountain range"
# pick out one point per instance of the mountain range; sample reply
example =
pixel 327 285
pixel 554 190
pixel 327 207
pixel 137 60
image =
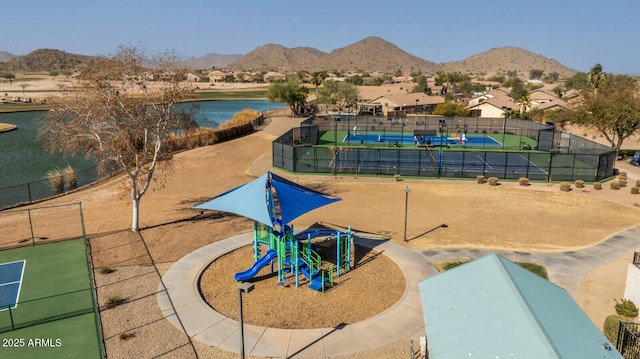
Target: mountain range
pixel 371 54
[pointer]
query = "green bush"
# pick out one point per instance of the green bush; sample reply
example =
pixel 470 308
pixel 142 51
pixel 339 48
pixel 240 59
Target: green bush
pixel 611 326
pixel 626 308
pixel 536 268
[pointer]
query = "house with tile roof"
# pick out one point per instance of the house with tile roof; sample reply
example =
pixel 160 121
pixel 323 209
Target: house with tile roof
pixel 401 104
pixel 494 308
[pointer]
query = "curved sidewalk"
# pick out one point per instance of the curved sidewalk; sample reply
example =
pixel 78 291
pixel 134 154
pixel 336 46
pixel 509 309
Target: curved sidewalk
pixel 403 320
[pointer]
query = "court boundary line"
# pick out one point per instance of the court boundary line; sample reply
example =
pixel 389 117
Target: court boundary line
pixel 24 265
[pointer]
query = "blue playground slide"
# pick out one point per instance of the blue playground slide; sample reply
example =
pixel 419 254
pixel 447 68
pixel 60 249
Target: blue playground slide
pixel 255 268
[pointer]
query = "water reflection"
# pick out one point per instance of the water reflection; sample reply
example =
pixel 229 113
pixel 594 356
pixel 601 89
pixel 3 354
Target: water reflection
pixel 24 160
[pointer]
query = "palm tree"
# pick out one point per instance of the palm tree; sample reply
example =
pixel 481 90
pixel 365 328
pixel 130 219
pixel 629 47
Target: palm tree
pixel 596 76
pixel 317 78
pixel 525 103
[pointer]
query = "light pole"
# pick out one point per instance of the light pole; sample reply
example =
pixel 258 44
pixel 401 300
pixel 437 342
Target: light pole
pixel 406 210
pixel 243 287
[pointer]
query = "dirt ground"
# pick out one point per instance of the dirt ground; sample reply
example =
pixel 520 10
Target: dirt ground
pixel 538 217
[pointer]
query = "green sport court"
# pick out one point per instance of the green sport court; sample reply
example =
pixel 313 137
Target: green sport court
pixel 47 304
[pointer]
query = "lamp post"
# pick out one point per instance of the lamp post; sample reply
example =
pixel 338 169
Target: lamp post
pixel 406 210
pixel 348 106
pixel 243 287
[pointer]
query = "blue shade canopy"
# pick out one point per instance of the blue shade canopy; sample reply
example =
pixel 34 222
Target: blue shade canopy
pixel 296 200
pixel 252 200
pixel 248 200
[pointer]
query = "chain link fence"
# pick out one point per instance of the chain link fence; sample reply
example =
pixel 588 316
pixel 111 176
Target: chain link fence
pixel 557 157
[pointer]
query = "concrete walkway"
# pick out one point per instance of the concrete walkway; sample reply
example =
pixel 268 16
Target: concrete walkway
pixel 403 320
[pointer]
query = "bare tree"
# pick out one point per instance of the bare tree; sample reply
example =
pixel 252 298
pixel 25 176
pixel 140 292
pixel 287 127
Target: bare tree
pixel 122 121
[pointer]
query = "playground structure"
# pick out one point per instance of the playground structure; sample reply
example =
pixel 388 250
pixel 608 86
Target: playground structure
pixel 294 256
pixel 273 202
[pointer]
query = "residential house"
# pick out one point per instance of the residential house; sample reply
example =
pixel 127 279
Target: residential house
pixel 492 104
pixel 274 77
pixel 554 105
pixel 196 77
pixel 401 104
pixel 541 96
pixel 220 76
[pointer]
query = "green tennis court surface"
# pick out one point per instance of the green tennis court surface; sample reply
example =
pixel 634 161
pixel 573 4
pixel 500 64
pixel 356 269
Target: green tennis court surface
pixel 54 314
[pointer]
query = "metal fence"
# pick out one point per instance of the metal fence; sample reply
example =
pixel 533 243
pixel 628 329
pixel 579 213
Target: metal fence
pixel 562 157
pixel 628 343
pixel 34 191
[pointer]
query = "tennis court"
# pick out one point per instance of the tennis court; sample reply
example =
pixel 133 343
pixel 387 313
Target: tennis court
pixel 46 299
pixel 372 161
pixel 410 139
pixel 10 283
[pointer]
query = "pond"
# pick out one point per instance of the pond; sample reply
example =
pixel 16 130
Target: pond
pixel 24 160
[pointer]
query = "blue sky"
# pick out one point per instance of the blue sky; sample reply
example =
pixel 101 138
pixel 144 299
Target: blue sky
pixel 579 34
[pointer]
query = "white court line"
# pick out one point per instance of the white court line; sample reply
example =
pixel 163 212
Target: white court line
pixel 24 264
pixel 9 283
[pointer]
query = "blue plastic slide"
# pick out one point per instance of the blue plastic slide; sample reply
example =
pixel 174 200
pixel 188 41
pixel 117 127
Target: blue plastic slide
pixel 255 268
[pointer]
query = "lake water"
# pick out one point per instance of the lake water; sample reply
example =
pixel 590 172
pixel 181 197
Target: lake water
pixel 23 160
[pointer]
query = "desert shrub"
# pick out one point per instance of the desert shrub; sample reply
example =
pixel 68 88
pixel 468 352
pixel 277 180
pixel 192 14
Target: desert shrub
pixel 56 180
pixel 536 268
pixel 615 185
pixel 480 179
pixel 635 190
pixel 241 118
pixel 611 326
pixel 451 264
pixel 70 177
pixel 597 185
pixel 493 181
pixel 523 181
pixel 565 186
pixel 622 182
pixel 622 174
pixel 397 177
pixel 626 308
pixel 638 183
pixel 579 183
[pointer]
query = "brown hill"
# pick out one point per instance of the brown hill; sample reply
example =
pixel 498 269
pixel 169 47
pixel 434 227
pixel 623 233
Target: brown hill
pixel 210 61
pixel 376 54
pixel 369 55
pixel 279 58
pixel 44 60
pixel 5 56
pixel 503 59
